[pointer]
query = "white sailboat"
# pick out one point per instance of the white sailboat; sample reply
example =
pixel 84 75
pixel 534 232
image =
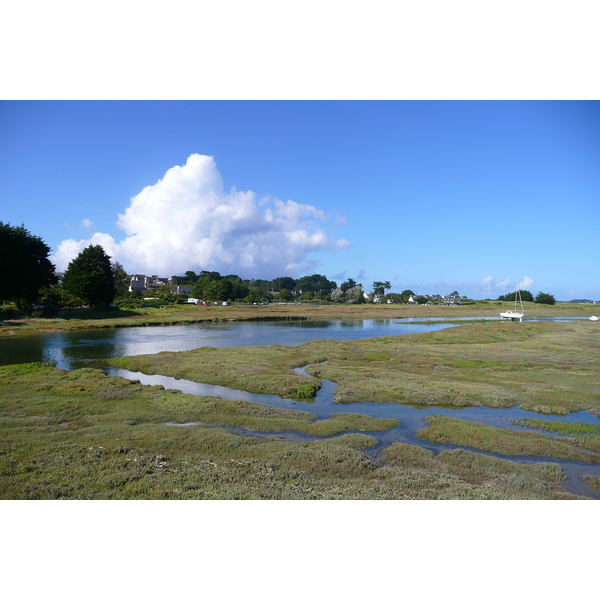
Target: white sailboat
pixel 514 315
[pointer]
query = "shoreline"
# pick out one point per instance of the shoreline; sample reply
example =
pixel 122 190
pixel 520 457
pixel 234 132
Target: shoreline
pixel 79 319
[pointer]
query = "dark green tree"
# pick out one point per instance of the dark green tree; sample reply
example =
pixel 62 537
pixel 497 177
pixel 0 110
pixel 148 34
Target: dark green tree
pixel 315 284
pixel 90 276
pixel 379 287
pixel 284 283
pixel 526 296
pixel 348 284
pixel 543 298
pixel 120 278
pixel 24 265
pixel 237 288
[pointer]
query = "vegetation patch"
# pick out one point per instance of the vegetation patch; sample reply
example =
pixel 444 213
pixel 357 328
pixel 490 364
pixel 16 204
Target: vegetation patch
pixel 348 422
pixel 447 430
pixel 593 482
pixel 377 356
pixel 561 427
pixel 499 477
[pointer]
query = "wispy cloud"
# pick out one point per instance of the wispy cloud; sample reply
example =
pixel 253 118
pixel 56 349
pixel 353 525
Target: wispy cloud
pixel 186 221
pixel 526 283
pixel 87 224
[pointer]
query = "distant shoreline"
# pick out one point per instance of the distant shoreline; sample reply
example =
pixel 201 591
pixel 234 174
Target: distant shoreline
pixel 181 314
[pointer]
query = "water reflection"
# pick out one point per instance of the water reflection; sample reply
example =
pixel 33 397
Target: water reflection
pixel 76 349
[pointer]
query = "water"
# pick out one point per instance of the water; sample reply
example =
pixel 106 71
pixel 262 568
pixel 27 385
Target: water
pixel 76 349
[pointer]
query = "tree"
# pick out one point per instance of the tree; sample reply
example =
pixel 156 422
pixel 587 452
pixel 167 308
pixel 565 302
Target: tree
pixel 379 287
pixel 526 296
pixel 285 294
pixel 543 298
pixel 284 283
pixel 315 284
pixel 24 265
pixel 348 284
pixel 406 294
pixel 356 295
pixel 337 295
pixel 90 277
pixel 120 278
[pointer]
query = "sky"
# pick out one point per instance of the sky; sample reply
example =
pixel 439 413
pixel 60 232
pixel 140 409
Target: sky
pixel 432 196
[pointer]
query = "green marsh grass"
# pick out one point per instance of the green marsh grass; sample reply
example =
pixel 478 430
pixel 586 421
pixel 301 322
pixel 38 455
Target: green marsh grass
pixel 562 427
pixel 447 430
pixel 86 435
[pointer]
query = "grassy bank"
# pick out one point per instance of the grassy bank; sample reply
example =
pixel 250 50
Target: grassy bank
pixel 547 367
pixel 74 319
pixel 84 434
pixel 446 430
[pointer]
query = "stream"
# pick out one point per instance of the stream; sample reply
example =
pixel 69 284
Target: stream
pixel 412 419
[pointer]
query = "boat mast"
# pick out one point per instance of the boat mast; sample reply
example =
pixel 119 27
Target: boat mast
pixel 518 291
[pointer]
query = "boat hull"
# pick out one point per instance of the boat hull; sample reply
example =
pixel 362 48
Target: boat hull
pixel 512 315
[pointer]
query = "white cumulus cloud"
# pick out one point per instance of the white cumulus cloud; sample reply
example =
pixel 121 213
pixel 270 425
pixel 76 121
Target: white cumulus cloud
pixel 186 221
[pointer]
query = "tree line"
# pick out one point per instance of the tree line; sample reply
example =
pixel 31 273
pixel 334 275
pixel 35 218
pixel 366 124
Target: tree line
pixel 28 276
pixel 527 296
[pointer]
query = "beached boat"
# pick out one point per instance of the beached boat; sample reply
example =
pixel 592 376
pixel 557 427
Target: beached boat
pixel 514 315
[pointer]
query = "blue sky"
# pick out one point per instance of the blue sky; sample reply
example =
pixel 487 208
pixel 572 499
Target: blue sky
pixel 435 196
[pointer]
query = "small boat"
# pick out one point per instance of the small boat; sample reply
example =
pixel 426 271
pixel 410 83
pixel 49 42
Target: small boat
pixel 514 315
pixel 593 318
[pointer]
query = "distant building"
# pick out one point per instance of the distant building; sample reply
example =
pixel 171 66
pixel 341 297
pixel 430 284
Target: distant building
pixel 146 282
pixel 449 300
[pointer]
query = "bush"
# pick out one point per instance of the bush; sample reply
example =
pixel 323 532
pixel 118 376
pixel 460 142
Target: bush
pixel 543 298
pixel 11 312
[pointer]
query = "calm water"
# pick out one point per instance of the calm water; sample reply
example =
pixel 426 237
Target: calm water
pixel 75 349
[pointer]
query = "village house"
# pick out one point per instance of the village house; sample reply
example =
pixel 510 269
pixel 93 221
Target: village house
pixel 146 282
